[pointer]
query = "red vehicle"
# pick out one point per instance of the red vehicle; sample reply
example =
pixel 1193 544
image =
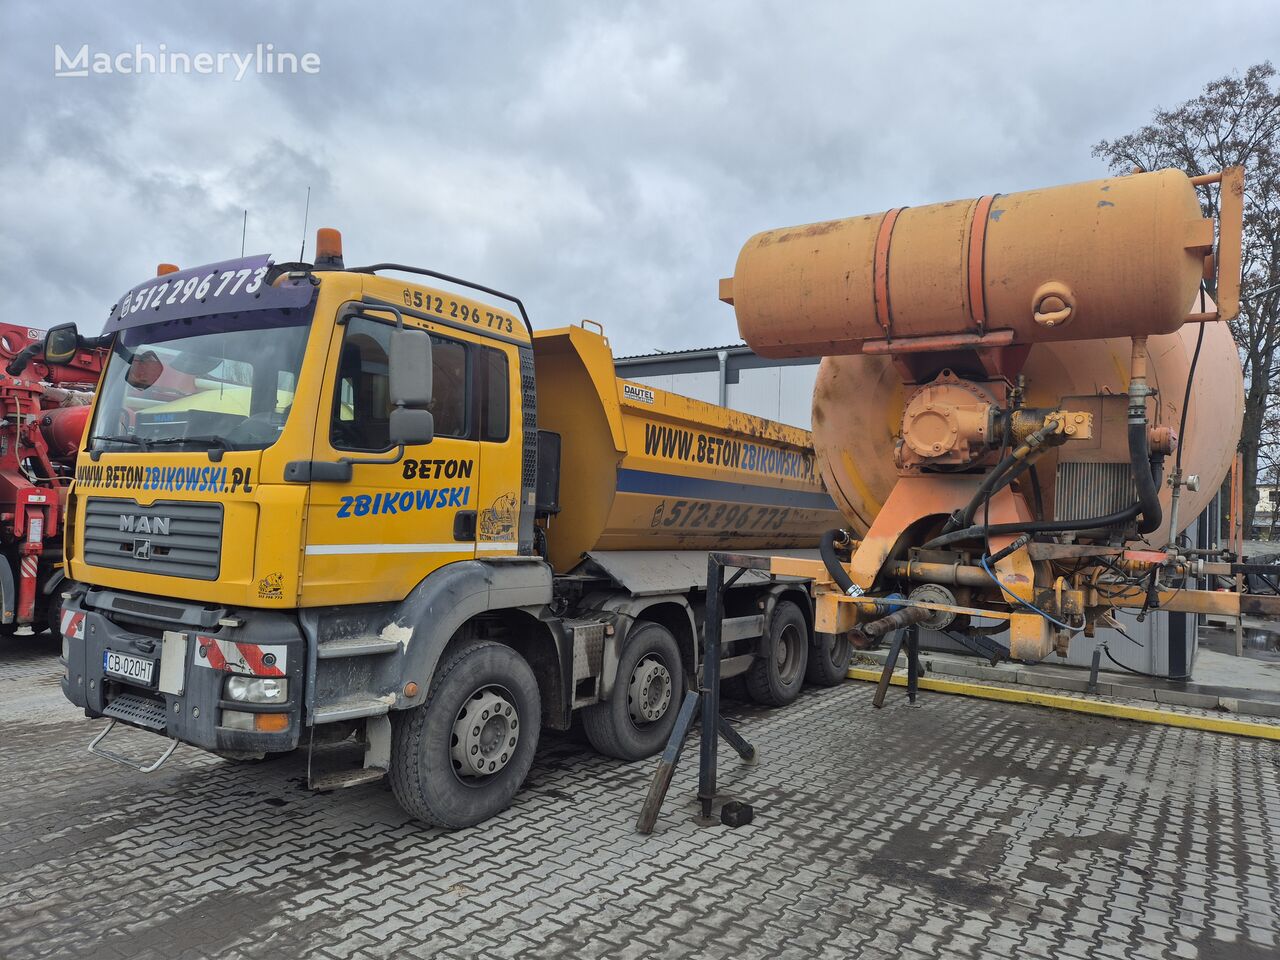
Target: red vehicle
pixel 43 410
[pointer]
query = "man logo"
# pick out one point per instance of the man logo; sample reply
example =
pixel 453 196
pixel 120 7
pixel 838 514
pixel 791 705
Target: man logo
pixel 142 549
pixel 130 523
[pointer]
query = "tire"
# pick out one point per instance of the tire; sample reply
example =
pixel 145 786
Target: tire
pixel 650 680
pixel 487 688
pixel 53 616
pixel 777 677
pixel 829 659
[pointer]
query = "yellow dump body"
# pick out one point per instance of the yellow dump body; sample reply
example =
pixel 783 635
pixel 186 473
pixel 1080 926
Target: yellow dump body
pixel 644 469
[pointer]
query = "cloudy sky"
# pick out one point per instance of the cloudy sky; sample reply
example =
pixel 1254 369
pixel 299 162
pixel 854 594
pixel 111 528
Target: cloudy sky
pixel 602 160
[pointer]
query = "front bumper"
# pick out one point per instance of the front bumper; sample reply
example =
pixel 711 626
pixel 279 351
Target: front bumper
pixel 195 648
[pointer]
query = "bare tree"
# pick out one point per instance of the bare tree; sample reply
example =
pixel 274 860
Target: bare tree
pixel 1235 121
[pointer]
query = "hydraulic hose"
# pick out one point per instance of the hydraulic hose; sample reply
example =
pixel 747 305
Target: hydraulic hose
pixel 990 484
pixel 1139 448
pixel 1177 480
pixel 1036 526
pixel 1050 526
pixel 834 567
pixel 1144 471
pixel 1006 471
pixel 22 358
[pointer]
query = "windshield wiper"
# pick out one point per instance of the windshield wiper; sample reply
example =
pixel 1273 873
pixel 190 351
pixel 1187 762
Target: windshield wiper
pixel 214 443
pixel 123 438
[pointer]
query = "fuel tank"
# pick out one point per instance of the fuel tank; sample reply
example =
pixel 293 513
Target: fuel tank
pixel 1117 257
pixel 644 469
pixel 858 405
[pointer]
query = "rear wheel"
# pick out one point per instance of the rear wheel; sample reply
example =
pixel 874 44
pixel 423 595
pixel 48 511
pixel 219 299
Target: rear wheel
pixel 829 659
pixel 777 676
pixel 636 721
pixel 460 757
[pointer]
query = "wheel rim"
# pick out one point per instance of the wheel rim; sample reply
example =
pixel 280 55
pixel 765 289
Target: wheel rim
pixel 486 733
pixel 649 692
pixel 786 653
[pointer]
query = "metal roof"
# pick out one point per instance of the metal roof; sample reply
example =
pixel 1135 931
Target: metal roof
pixel 691 352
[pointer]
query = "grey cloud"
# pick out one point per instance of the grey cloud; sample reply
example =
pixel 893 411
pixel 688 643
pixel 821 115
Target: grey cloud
pixel 602 161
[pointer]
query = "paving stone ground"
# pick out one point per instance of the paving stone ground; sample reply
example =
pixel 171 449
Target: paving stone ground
pixel 956 828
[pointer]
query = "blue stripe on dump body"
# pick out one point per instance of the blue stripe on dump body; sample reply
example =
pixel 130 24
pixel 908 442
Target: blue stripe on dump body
pixel 697 488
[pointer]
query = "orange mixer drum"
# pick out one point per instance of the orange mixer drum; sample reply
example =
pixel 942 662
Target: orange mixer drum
pixel 858 404
pixel 1116 257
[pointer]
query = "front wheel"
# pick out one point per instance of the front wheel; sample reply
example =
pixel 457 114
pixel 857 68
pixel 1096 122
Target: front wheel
pixel 636 721
pixel 460 757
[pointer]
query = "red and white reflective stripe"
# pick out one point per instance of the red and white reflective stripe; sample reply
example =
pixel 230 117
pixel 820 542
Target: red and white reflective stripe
pixel 30 565
pixel 73 624
pixel 254 659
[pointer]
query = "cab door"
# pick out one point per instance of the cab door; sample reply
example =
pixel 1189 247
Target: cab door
pixel 374 537
pixel 496 370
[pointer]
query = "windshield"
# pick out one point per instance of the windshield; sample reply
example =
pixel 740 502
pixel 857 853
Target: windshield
pixel 222 381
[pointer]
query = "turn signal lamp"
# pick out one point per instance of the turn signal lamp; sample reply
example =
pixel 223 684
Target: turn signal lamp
pixel 163 268
pixel 270 722
pixel 329 248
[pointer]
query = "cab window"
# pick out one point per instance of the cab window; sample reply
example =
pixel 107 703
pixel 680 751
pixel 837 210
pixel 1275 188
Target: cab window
pixel 362 399
pixel 494 389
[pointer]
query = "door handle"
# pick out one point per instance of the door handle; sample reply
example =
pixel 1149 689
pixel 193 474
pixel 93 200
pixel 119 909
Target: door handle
pixel 464 525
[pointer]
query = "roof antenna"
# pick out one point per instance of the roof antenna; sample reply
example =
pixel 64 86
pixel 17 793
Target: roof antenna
pixel 244 229
pixel 302 254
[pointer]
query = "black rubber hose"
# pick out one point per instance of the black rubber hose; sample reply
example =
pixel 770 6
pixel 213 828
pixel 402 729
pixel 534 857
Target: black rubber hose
pixel 1036 493
pixel 23 357
pixel 1036 526
pixel 1144 471
pixel 1003 474
pixel 834 567
pixel 1186 402
pixel 1141 673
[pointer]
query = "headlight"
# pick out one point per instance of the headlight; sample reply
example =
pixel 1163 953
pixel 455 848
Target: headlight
pixel 257 689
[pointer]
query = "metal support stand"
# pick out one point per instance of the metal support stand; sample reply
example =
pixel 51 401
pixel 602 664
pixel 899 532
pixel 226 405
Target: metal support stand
pixel 910 638
pixel 707 696
pixel 1094 666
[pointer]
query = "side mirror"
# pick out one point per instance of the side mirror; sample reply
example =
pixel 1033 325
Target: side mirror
pixel 61 343
pixel 409 369
pixel 411 427
pixel 144 370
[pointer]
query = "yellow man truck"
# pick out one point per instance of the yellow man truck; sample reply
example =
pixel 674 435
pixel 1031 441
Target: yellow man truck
pixel 321 505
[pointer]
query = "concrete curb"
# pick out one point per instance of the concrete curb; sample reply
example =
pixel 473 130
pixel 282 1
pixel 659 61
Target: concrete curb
pixel 944 665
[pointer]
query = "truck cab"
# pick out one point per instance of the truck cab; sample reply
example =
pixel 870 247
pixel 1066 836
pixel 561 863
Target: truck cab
pixel 308 510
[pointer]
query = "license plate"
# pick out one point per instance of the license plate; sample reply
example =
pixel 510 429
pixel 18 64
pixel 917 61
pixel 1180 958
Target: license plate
pixel 128 667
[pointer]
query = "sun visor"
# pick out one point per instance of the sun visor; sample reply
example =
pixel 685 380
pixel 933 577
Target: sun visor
pixel 230 286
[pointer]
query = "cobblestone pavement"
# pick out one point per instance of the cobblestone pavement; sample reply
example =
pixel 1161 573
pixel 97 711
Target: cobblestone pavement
pixel 954 828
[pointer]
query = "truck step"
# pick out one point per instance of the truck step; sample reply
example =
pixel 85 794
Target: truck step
pixel 356 647
pixel 337 779
pixel 350 710
pixel 139 711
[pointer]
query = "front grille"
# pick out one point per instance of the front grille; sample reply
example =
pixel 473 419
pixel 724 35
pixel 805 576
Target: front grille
pixel 170 538
pixel 1086 490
